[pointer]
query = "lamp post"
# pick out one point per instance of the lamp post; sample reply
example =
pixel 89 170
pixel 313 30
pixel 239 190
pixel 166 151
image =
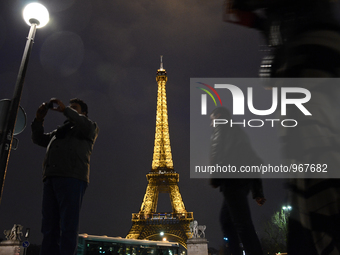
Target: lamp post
pixel 286 211
pixel 36 16
pixel 287 208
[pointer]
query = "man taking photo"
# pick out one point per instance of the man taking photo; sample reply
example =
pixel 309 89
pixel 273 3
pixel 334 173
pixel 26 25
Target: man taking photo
pixel 66 170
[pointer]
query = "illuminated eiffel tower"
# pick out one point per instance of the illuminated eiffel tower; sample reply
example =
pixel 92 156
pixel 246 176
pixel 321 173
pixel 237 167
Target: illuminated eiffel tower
pixel 148 223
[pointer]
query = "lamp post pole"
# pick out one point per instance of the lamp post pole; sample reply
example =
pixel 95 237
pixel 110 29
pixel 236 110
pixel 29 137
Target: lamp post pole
pixel 286 210
pixel 11 116
pixel 35 15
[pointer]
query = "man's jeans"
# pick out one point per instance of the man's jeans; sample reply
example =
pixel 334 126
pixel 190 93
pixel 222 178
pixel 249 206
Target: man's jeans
pixel 237 224
pixel 62 199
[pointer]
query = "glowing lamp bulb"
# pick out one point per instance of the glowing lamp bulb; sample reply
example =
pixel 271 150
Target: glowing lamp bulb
pixel 36 13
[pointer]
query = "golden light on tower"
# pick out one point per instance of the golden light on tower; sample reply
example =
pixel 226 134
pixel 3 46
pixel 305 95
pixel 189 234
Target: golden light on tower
pixel 162 157
pixel 148 223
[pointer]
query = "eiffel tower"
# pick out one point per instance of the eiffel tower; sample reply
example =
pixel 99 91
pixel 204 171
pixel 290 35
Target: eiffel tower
pixel 148 223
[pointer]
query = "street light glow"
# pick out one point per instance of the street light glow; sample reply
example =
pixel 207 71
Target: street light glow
pixel 36 13
pixel 288 207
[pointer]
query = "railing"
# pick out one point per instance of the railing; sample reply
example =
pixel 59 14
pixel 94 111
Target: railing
pixel 163 216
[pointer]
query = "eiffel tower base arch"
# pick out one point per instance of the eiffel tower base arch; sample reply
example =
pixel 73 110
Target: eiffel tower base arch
pixel 174 230
pixel 147 224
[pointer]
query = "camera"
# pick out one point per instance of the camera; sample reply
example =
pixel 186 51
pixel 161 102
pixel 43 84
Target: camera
pixel 49 105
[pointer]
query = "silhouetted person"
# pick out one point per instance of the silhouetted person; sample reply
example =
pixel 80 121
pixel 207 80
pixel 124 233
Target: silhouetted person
pixel 304 39
pixel 65 173
pixel 231 146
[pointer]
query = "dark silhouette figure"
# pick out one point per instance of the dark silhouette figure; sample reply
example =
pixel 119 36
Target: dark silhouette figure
pixel 230 145
pixel 65 173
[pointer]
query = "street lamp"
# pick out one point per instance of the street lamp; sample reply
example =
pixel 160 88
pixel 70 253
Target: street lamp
pixel 286 208
pixel 35 13
pixel 36 16
pixel 286 211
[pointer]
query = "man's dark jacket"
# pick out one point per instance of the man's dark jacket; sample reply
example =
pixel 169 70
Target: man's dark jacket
pixel 69 147
pixel 231 146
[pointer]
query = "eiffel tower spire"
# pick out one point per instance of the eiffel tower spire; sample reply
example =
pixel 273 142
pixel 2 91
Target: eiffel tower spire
pixel 147 224
pixel 162 157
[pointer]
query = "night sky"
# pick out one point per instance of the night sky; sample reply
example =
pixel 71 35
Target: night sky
pixel 107 52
